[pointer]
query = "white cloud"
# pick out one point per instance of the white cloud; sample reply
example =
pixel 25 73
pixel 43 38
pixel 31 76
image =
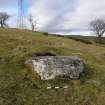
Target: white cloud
pixel 85 12
pixel 47 12
pixel 59 16
pixel 64 15
pixel 10 6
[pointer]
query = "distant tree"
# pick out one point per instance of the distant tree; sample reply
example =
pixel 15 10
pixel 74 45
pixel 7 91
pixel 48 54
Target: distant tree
pixel 33 23
pixel 3 19
pixel 98 26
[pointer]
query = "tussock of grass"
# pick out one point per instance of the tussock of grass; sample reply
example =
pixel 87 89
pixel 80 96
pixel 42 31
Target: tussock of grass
pixel 21 86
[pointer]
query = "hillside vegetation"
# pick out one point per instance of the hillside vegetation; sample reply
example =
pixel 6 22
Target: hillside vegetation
pixel 87 39
pixel 20 86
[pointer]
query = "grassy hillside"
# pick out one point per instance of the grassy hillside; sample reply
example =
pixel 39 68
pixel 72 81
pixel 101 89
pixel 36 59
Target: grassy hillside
pixel 87 39
pixel 20 86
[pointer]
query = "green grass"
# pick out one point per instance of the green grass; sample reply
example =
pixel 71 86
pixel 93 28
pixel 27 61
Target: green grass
pixel 87 39
pixel 20 86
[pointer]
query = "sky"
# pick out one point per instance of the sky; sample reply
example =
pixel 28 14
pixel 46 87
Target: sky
pixel 58 16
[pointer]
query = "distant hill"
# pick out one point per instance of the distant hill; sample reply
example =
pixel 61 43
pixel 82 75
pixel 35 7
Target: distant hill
pixel 84 39
pixel 20 86
pixel 90 39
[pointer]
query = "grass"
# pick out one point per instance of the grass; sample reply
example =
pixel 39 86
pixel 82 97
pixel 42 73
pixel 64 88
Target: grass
pixel 87 39
pixel 20 86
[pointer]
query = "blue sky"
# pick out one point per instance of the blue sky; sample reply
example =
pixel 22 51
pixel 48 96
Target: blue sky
pixel 26 5
pixel 58 16
pixel 11 7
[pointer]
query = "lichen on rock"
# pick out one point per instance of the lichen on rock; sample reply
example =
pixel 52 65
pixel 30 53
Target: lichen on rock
pixel 50 67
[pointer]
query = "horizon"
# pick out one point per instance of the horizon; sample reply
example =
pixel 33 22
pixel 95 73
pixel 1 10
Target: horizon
pixel 61 17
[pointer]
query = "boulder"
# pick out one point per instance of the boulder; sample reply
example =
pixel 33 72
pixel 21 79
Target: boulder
pixel 50 67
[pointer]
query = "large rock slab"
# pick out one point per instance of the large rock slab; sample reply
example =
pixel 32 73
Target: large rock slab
pixel 50 67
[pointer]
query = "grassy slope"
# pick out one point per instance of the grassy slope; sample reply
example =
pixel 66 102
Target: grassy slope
pixel 86 39
pixel 19 86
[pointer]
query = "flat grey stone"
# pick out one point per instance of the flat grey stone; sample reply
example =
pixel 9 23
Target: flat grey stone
pixel 50 67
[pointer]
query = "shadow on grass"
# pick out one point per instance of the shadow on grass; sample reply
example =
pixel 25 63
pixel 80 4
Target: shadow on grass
pixel 87 74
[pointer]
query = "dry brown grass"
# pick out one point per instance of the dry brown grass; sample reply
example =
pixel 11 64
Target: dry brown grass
pixel 20 86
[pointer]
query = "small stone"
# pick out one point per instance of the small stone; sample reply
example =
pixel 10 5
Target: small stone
pixel 57 87
pixel 65 87
pixel 48 87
